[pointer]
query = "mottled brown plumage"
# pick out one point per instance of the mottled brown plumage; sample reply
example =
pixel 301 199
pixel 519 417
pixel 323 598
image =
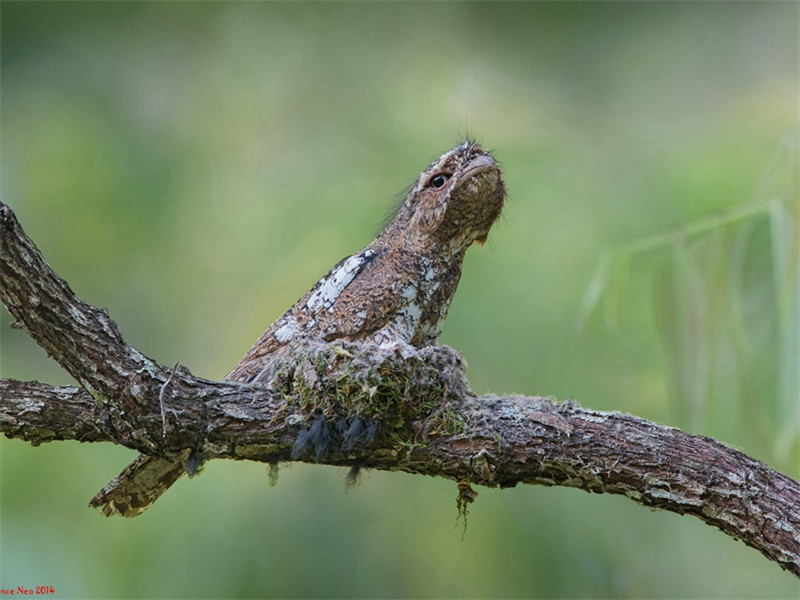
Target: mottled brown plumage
pixel 396 290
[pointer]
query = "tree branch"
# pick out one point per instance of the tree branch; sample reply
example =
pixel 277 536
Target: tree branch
pixel 395 408
pixel 38 413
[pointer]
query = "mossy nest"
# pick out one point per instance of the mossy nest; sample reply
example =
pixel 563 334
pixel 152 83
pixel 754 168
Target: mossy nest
pixel 357 393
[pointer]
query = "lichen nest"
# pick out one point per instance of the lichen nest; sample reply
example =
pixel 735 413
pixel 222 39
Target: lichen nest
pixel 355 393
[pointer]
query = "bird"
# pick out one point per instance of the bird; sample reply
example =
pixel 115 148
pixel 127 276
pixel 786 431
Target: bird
pixel 396 290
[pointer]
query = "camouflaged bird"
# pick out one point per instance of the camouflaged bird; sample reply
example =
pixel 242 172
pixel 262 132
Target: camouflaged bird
pixel 396 290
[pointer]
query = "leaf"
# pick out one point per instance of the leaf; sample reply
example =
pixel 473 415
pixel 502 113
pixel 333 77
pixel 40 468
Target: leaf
pixel 594 291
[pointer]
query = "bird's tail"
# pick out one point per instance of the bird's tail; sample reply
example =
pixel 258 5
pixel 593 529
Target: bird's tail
pixel 138 486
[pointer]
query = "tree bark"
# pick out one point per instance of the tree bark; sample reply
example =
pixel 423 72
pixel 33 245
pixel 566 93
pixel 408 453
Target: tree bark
pixel 391 408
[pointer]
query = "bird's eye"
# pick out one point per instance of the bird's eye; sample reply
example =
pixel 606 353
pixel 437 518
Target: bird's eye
pixel 437 181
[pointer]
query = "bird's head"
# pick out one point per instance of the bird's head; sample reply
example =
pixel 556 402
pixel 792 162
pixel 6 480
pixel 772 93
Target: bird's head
pixel 454 202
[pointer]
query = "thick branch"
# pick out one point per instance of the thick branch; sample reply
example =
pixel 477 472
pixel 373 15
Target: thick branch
pixel 37 413
pixel 326 400
pixel 503 442
pixel 81 338
pixel 86 342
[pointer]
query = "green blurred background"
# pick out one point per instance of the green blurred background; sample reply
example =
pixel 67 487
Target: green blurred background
pixel 195 167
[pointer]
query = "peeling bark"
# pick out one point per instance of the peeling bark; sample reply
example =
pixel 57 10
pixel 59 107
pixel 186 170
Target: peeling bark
pixel 396 409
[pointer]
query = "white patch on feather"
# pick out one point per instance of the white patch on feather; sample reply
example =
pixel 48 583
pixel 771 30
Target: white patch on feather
pixel 334 284
pixel 287 331
pixel 408 316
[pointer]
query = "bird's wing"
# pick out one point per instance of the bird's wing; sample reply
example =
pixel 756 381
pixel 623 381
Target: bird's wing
pixel 355 298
